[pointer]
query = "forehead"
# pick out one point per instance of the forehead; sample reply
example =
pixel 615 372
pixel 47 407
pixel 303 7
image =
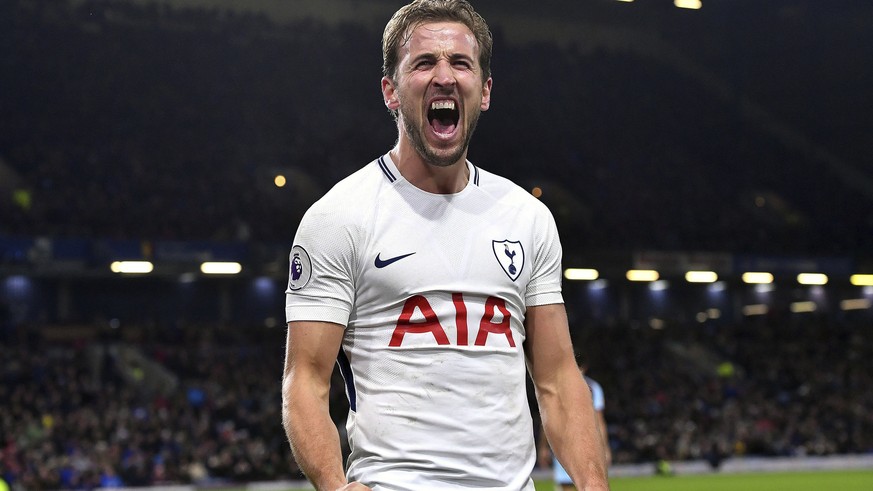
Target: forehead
pixel 452 38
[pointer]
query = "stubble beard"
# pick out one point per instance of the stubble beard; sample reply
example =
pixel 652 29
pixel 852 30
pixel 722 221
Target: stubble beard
pixel 427 153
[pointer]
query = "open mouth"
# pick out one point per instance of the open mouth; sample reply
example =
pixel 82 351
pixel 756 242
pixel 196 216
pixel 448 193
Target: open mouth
pixel 443 116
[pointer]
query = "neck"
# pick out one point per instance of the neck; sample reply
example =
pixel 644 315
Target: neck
pixel 428 177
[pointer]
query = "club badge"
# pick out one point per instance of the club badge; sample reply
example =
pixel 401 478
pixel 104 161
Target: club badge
pixel 510 255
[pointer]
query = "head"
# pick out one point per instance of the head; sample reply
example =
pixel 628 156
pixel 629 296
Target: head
pixel 436 67
pixel 405 20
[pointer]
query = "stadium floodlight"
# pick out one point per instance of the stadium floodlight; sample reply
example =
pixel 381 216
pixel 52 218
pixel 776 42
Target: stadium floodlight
pixel 812 279
pixel 701 277
pixel 688 4
pixel 215 267
pixel 131 267
pixel 755 309
pixel 856 304
pixel 642 275
pixel 757 278
pixel 581 274
pixel 861 279
pixel 803 307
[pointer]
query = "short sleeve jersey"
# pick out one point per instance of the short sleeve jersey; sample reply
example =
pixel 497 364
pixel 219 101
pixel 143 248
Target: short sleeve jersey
pixel 433 291
pixel 597 397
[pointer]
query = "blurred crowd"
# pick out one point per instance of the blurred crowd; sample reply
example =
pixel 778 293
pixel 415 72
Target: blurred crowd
pixel 129 120
pixel 766 387
pixel 139 121
pixel 77 416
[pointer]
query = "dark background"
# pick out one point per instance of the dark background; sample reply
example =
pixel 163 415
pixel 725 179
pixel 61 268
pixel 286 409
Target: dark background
pixel 731 138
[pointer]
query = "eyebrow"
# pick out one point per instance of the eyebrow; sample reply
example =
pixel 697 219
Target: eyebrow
pixel 452 57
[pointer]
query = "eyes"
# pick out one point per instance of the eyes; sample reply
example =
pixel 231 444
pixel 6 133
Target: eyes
pixel 428 63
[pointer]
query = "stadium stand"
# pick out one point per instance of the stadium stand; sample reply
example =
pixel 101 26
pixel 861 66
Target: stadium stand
pixel 161 129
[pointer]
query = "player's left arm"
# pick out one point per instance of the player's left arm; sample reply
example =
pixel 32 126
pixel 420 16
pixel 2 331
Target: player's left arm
pixel 604 437
pixel 563 397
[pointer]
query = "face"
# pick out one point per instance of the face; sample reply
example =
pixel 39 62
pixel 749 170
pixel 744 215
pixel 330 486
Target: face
pixel 438 91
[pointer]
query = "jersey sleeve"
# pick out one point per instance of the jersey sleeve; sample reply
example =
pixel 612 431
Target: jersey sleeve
pixel 321 278
pixel 597 396
pixel 545 283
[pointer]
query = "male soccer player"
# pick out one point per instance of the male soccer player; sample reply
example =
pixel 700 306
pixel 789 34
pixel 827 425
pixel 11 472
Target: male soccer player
pixel 434 285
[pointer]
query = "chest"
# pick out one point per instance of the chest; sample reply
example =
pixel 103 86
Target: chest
pixel 481 253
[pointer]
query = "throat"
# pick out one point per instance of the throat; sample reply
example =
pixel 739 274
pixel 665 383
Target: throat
pixel 443 126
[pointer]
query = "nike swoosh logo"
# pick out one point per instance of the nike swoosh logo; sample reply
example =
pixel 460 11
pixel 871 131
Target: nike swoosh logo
pixel 381 263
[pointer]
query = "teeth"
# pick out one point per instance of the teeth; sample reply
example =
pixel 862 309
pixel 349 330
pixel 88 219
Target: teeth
pixel 443 105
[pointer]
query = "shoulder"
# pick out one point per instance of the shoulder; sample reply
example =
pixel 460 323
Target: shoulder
pixel 362 184
pixel 348 200
pixel 506 191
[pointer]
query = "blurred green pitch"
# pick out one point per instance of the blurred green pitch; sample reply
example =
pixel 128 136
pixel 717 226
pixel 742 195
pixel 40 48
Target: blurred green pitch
pixel 852 480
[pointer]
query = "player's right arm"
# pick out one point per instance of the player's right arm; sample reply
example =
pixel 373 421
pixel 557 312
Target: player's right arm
pixel 310 354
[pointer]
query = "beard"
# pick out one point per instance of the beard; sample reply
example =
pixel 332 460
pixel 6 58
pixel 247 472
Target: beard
pixel 428 153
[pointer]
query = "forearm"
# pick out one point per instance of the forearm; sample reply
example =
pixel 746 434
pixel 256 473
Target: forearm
pixel 570 426
pixel 604 437
pixel 313 436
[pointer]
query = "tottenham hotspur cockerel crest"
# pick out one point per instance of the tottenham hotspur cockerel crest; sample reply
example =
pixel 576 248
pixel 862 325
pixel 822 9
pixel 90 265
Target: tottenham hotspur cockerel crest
pixel 510 255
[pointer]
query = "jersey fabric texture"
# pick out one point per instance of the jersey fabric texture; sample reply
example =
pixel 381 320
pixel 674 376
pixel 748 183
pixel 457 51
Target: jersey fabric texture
pixel 433 291
pixel 560 474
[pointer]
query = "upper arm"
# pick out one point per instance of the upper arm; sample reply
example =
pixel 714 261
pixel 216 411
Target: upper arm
pixel 548 347
pixel 310 353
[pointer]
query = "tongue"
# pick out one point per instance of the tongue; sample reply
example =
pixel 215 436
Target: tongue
pixel 443 126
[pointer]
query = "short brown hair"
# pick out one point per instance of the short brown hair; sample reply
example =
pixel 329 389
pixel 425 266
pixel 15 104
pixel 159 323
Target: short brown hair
pixel 405 20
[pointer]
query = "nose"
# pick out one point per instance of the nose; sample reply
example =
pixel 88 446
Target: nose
pixel 443 75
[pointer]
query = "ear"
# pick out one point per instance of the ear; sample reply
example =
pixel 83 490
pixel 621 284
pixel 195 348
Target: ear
pixel 389 94
pixel 486 95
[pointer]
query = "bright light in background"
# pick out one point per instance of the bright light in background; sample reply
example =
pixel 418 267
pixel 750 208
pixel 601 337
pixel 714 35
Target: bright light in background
pixel 713 313
pixel 701 277
pixel 17 286
pixel 803 307
pixel 132 267
pixel 688 4
pixel 862 279
pixel 220 268
pixel 718 286
pixel 600 284
pixel 280 181
pixel 756 309
pixel 659 286
pixel 757 278
pixel 626 1
pixel 536 191
pixel 764 288
pixel 642 275
pixel 812 279
pixel 580 274
pixel 264 286
pixel 855 304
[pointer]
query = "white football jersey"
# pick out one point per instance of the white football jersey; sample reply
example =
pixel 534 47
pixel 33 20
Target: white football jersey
pixel 433 290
